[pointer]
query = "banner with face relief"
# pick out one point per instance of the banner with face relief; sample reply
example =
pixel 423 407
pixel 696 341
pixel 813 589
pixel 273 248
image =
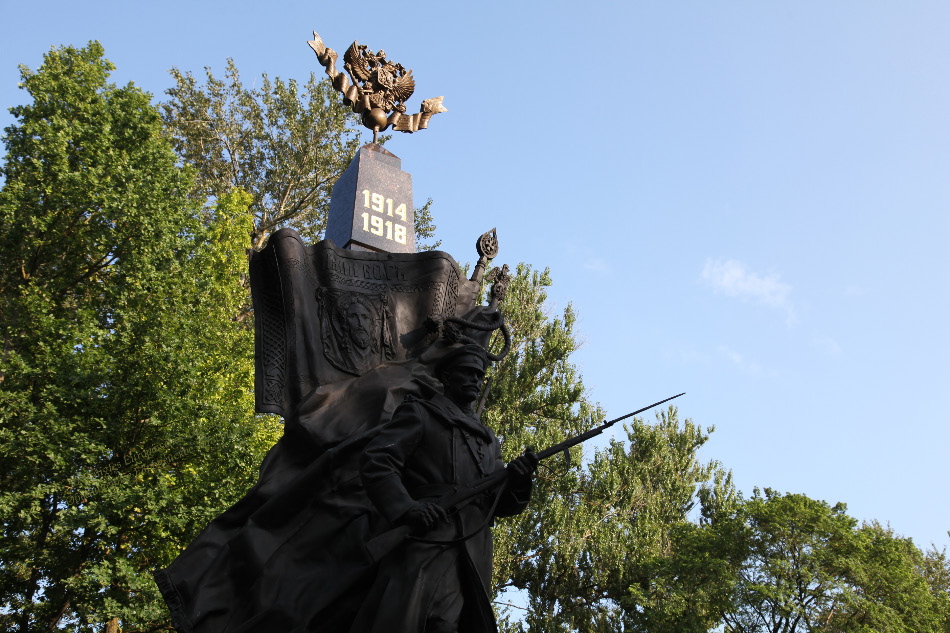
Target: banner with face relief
pixel 323 314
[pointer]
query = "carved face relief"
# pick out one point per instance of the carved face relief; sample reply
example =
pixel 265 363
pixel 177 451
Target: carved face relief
pixel 358 329
pixel 359 323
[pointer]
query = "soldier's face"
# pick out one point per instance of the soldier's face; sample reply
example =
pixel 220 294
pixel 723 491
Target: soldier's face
pixel 462 384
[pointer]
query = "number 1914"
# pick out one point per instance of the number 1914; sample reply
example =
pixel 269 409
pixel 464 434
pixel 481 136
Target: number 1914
pixel 376 224
pixel 380 204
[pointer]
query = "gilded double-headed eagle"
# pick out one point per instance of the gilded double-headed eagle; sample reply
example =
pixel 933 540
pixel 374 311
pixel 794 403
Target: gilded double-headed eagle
pixel 376 88
pixel 388 84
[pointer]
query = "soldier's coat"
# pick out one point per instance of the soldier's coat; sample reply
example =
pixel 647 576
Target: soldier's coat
pixel 427 448
pixel 290 556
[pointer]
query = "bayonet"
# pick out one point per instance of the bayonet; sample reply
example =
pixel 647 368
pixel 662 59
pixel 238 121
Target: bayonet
pixel 386 542
pixel 583 437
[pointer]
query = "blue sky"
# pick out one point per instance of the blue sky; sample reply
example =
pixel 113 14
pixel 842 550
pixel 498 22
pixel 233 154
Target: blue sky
pixel 744 201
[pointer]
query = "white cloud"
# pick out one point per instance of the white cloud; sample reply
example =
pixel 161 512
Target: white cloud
pixel 731 278
pixel 590 259
pixel 740 361
pixel 596 264
pixel 684 354
pixel 827 344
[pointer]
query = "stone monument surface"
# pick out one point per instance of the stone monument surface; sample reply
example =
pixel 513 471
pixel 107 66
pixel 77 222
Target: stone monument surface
pixel 371 208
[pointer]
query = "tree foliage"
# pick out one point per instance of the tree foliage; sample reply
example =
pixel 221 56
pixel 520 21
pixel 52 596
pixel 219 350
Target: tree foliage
pixel 596 522
pixel 679 571
pixel 795 570
pixel 284 144
pixel 936 569
pixel 888 590
pixel 643 536
pixel 126 393
pixel 125 382
pixel 810 567
pixel 537 399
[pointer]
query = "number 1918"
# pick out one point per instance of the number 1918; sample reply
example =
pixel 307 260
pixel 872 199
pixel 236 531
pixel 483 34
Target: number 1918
pixel 377 226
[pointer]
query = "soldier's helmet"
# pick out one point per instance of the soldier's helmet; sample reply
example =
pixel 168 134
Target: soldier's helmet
pixel 469 355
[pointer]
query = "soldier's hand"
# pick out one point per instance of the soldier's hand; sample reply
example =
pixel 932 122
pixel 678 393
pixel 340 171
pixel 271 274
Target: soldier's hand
pixel 523 467
pixel 424 515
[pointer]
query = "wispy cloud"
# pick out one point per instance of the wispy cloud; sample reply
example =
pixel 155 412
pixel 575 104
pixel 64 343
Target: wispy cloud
pixel 740 361
pixel 684 354
pixel 731 278
pixel 589 258
pixel 828 345
pixel 596 264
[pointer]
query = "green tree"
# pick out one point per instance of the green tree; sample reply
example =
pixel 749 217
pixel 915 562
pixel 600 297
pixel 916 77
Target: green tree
pixel 537 399
pixel 798 552
pixel 125 382
pixel 680 578
pixel 809 567
pixel 936 570
pixel 598 521
pixel 284 145
pixel 888 587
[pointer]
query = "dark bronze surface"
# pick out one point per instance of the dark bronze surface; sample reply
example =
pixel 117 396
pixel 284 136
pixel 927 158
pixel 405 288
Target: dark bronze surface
pixel 363 354
pixel 301 295
pixel 499 278
pixel 487 248
pixel 374 355
pixel 458 495
pixel 375 88
pixel 433 445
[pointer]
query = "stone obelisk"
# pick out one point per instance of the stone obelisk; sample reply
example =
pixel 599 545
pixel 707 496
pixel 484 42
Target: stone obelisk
pixel 371 208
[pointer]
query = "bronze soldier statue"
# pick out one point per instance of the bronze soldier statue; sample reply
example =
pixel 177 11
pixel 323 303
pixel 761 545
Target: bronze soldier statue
pixel 438 581
pixel 373 511
pixel 368 457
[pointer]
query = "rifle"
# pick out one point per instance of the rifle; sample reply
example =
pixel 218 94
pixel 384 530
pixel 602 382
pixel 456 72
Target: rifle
pixel 387 541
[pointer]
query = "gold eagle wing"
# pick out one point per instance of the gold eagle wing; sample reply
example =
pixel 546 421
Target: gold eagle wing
pixel 403 87
pixel 355 63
